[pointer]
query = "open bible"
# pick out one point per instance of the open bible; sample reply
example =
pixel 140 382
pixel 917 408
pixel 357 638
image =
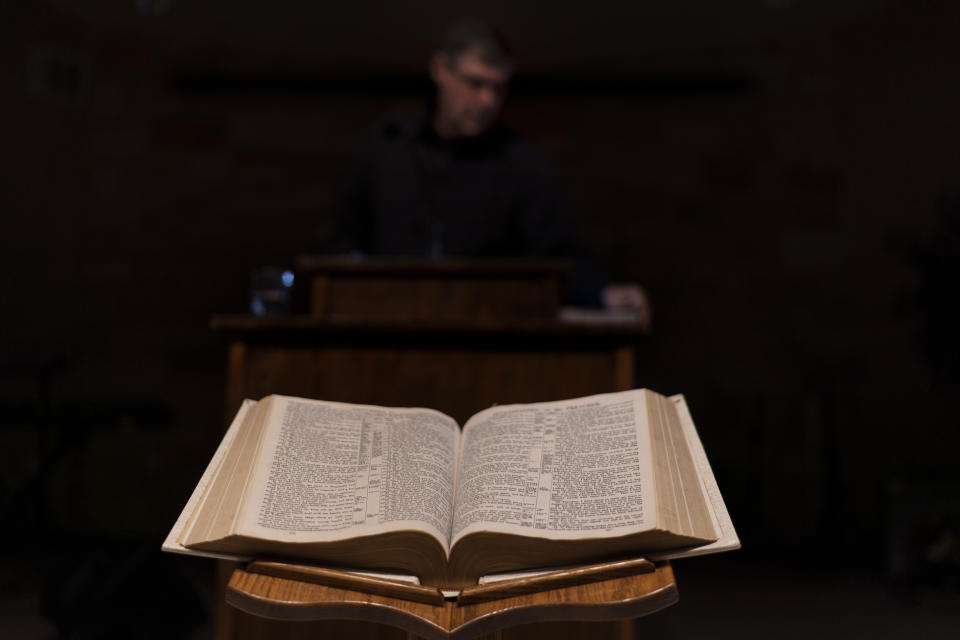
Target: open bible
pixel 405 489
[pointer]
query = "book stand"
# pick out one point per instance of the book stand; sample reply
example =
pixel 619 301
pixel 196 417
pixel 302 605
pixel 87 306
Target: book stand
pixel 595 601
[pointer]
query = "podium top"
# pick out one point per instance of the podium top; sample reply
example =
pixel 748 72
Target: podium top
pixel 426 289
pixel 413 265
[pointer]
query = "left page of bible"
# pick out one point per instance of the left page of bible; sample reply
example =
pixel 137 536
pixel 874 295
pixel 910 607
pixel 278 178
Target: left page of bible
pixel 330 471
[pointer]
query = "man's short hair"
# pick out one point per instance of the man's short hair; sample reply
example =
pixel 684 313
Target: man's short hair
pixel 472 34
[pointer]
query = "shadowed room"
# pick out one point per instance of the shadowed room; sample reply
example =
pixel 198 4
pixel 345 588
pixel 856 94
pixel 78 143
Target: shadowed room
pixel 781 177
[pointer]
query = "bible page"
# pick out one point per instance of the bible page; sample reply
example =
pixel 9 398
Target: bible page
pixel 559 470
pixel 334 471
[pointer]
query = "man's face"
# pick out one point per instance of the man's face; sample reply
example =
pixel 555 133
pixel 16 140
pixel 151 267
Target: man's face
pixel 470 94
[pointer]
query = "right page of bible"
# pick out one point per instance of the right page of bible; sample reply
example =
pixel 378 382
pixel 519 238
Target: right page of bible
pixel 558 470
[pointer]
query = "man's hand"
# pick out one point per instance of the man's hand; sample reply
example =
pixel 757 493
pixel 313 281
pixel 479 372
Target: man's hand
pixel 628 297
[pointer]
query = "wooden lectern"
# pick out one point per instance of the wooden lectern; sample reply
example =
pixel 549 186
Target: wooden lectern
pixel 456 336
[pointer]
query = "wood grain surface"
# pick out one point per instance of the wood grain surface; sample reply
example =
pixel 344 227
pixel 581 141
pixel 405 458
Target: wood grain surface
pixel 283 599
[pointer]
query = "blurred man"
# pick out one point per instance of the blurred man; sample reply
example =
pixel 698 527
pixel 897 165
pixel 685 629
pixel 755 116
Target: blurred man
pixel 454 181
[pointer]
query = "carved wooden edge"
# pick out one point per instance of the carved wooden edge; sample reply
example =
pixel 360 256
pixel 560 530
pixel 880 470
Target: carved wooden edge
pixel 635 606
pixel 617 598
pixel 554 580
pixel 347 580
pixel 289 600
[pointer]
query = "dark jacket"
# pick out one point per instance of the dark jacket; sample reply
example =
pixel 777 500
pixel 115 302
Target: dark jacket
pixel 415 194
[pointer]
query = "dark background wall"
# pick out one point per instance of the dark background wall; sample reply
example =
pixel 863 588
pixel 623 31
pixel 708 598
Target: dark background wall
pixel 783 176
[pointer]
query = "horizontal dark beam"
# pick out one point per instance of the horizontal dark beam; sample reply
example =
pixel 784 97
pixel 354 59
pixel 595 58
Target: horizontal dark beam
pixel 417 84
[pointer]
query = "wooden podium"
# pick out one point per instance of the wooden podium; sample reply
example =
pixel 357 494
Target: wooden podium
pixel 456 336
